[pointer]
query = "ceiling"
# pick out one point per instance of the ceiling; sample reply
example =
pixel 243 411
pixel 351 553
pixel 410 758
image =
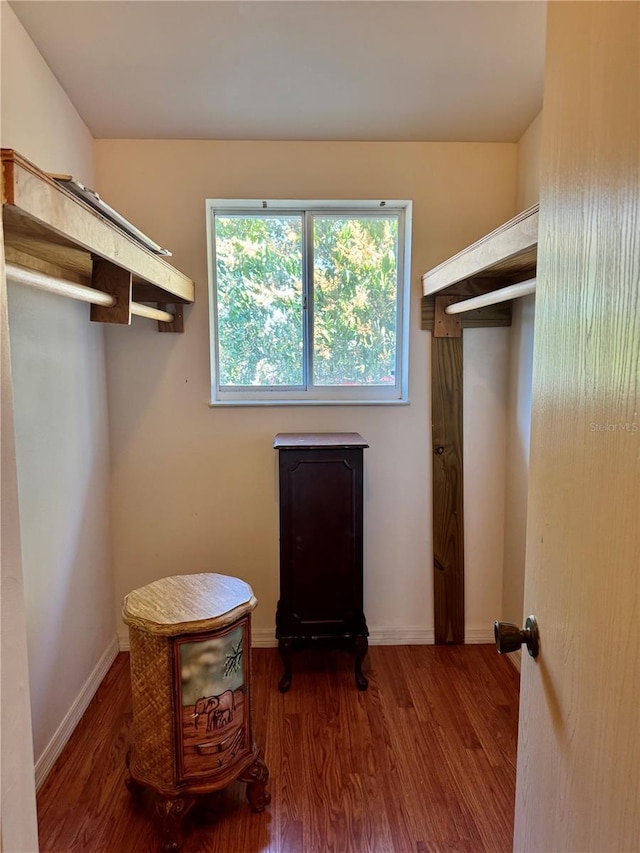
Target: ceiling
pixel 296 69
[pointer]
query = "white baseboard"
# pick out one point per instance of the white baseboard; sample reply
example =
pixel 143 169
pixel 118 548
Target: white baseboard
pixel 123 641
pixel 379 636
pixel 515 659
pixel 66 728
pixel 401 636
pixel 411 636
pixel 265 639
pixel 390 636
pixel 479 636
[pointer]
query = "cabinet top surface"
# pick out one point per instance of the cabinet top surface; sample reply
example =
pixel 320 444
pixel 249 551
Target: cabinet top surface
pixel 293 440
pixel 188 603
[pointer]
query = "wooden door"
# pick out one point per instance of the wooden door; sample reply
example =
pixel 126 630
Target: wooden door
pixel 578 786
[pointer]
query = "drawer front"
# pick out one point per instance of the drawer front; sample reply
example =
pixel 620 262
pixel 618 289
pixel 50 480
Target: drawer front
pixel 212 704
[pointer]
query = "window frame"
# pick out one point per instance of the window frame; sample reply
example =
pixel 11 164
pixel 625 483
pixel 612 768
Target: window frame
pixel 309 394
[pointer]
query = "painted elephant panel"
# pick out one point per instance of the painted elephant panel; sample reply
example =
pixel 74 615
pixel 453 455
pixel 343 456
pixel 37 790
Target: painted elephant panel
pixel 212 701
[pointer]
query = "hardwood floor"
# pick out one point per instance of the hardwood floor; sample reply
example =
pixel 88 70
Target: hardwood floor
pixel 422 762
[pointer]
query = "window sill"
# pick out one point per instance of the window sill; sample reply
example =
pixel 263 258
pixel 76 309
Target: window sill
pixel 231 404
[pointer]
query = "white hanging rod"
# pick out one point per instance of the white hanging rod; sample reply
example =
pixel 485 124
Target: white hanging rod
pixel 513 291
pixel 62 287
pixel 152 313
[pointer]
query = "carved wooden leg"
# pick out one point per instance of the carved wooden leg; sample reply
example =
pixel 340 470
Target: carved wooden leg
pixel 362 646
pixel 132 785
pixel 256 777
pixel 285 647
pixel 170 812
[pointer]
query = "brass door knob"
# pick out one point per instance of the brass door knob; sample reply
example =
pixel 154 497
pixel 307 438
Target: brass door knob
pixel 509 637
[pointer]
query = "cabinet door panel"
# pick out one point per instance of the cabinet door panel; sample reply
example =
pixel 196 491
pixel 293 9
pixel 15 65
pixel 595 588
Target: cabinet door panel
pixel 321 538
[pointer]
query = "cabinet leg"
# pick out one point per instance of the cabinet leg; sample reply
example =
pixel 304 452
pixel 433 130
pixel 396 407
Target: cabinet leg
pixel 134 787
pixel 362 646
pixel 285 647
pixel 256 776
pixel 170 813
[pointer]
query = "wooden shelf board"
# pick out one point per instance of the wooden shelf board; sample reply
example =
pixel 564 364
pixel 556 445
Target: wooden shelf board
pixel 508 251
pixel 49 229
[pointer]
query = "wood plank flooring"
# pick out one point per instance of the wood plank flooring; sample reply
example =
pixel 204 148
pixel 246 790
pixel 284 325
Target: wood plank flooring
pixel 422 762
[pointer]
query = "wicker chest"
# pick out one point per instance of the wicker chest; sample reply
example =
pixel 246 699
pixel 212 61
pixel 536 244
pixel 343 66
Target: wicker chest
pixel 190 638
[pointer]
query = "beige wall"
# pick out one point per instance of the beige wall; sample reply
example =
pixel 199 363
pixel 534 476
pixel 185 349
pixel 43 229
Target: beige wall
pixel 18 825
pixel 517 455
pixel 528 182
pixel 194 487
pixel 63 478
pixel 485 369
pixel 38 119
pixel 59 387
pixel 519 409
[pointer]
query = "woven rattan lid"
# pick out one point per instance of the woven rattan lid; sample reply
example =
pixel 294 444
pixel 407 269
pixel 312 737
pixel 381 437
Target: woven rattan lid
pixel 188 604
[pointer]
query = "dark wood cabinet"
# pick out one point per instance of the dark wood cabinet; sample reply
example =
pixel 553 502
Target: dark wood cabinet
pixel 321 553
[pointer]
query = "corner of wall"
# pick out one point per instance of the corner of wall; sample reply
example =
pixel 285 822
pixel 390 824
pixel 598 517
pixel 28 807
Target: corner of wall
pixel 528 165
pixel 59 389
pixel 519 400
pixel 38 118
pixel 18 829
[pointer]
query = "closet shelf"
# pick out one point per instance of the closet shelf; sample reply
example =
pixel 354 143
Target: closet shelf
pixel 50 230
pixel 507 254
pixel 473 289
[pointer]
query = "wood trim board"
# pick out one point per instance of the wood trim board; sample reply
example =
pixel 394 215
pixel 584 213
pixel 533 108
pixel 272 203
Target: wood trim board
pixel 44 221
pixel 448 523
pixel 509 249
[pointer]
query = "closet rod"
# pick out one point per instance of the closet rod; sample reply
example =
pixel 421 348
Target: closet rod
pixel 62 287
pixel 513 291
pixel 152 313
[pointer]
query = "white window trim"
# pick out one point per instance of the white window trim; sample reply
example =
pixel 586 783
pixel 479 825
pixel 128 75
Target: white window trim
pixel 318 396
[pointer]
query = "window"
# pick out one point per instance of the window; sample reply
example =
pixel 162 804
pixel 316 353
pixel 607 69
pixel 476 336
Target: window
pixel 309 301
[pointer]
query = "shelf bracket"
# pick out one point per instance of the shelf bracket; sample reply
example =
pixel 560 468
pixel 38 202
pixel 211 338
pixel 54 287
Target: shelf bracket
pixel 178 322
pixel 446 325
pixel 117 282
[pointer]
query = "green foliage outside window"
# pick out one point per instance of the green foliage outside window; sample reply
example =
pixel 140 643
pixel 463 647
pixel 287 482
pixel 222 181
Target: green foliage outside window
pixel 260 297
pixel 355 281
pixel 259 286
